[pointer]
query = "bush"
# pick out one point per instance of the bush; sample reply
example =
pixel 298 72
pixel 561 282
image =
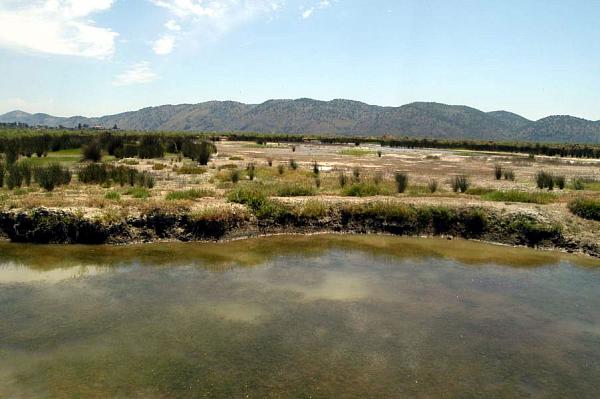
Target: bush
pixel 586 208
pixel 1 174
pixel 342 179
pixel 26 172
pixel 401 179
pixel 191 170
pixel 578 184
pixel 509 174
pixel 362 190
pixel 138 192
pixel 234 175
pixel 295 190
pixel 560 181
pixel 315 168
pixel 293 164
pixel 51 176
pixel 544 179
pixel 251 171
pixel 460 183
pixel 378 178
pixel 356 175
pixel 280 169
pixel 14 178
pixel 520 196
pixel 498 172
pixel 151 147
pixel 270 162
pixel 103 174
pixel 113 196
pixel 92 152
pixel 189 194
pixel 432 186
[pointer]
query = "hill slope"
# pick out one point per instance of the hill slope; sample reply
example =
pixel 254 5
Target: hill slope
pixel 341 117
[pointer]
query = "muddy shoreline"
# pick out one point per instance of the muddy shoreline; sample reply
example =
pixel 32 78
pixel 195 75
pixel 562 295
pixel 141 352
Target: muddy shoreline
pixel 59 226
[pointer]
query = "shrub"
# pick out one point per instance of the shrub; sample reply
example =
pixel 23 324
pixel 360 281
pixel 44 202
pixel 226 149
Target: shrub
pixel 317 182
pixel 94 173
pixel 342 179
pixel 92 152
pixel 1 174
pixel 138 192
pixel 520 196
pixel 314 209
pixel 509 174
pixel 51 176
pixel 159 166
pixel 236 158
pixel 251 171
pixel 401 179
pixel 315 168
pixel 145 179
pixel 379 153
pixel 498 172
pixel 189 194
pixel 293 164
pixel 559 181
pixel 432 186
pixel 460 183
pixel 280 169
pixel 293 148
pixel 356 175
pixel 270 162
pixel 113 196
pixel 362 190
pixel 190 170
pixel 544 179
pixel 26 172
pixel 378 178
pixel 475 222
pixel 151 147
pixel 295 190
pixel 234 175
pixel 533 231
pixel 586 208
pixel 14 178
pixel 578 184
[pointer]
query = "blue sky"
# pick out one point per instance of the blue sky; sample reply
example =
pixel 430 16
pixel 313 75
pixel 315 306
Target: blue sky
pixel 94 57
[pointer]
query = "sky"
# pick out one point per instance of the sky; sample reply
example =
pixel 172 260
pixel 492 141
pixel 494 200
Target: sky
pixel 97 57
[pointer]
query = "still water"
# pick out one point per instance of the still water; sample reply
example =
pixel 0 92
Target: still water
pixel 301 317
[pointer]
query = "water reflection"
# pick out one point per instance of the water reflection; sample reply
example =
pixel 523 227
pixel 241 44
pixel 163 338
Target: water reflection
pixel 324 316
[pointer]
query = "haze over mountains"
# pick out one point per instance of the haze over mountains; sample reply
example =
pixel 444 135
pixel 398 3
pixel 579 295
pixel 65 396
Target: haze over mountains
pixel 340 117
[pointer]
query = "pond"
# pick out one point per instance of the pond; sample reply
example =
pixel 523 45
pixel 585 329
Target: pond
pixel 298 316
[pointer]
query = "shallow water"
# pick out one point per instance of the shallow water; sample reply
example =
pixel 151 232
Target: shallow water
pixel 297 316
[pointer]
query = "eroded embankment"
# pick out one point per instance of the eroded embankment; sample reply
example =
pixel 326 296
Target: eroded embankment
pixel 46 225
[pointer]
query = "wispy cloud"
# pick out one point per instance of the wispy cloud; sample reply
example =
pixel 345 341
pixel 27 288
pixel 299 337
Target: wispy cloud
pixel 308 12
pixel 209 19
pixel 56 27
pixel 137 74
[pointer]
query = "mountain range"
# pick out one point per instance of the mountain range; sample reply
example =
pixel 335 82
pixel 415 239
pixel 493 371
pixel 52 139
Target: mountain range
pixel 339 117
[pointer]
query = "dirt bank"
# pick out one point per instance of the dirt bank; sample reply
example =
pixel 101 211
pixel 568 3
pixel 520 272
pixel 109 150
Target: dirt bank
pixel 519 226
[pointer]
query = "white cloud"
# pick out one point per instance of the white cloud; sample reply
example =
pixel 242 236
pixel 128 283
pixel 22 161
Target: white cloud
pixel 210 18
pixel 164 45
pixel 137 74
pixel 308 12
pixel 172 25
pixel 56 27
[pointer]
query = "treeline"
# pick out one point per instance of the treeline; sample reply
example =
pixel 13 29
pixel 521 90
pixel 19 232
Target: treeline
pixel 128 145
pixel 153 145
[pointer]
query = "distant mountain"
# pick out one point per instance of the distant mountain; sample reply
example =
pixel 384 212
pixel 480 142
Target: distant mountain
pixel 340 117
